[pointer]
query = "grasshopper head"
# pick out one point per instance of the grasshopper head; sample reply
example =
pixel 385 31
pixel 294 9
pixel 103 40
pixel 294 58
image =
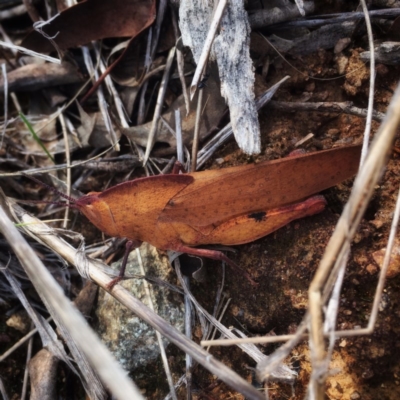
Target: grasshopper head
pixel 98 212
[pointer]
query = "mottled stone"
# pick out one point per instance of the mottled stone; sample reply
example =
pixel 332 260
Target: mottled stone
pixel 132 341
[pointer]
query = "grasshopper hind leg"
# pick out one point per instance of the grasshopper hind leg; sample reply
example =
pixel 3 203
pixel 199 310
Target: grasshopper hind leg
pixel 216 255
pixel 252 226
pixel 249 227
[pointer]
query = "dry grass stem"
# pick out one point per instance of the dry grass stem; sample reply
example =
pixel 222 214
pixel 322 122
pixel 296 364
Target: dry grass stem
pixel 195 145
pixel 339 243
pixel 367 131
pixel 207 47
pixel 30 52
pixel 159 104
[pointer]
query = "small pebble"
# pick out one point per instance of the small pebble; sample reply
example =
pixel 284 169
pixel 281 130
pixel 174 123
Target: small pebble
pixel 341 44
pixel 394 263
pixel 377 223
pixel 19 321
pixel 355 396
pixel 372 270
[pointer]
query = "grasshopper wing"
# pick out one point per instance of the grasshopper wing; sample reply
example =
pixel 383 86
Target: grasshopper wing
pixel 218 195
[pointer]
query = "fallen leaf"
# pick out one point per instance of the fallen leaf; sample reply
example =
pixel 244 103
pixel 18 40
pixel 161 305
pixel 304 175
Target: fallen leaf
pixel 34 77
pixel 93 20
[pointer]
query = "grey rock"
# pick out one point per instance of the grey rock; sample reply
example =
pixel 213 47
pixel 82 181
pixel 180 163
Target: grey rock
pixel 132 341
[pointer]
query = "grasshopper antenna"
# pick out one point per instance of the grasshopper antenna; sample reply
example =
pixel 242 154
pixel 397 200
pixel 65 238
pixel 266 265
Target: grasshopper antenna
pixel 53 189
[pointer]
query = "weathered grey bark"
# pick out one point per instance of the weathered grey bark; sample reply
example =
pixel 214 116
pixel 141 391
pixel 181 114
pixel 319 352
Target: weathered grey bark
pixel 231 51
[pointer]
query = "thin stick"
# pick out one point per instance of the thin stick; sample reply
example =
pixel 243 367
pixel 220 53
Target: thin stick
pixel 207 46
pixel 179 140
pixel 8 40
pixel 26 372
pixel 113 91
pixel 385 266
pixel 5 122
pixel 188 333
pixel 3 390
pixel 68 160
pixel 159 104
pixel 101 99
pixel 30 52
pixel 214 332
pixel 367 130
pixel 162 6
pixel 180 62
pixel 346 107
pixel 147 64
pixel 195 144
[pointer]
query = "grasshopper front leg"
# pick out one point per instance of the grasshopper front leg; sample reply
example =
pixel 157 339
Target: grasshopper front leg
pixel 129 246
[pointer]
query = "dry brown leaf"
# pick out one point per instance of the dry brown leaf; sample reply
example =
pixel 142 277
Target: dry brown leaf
pixel 34 77
pixel 94 20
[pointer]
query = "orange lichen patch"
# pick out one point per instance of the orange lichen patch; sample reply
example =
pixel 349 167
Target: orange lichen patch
pixel 394 263
pixel 356 74
pixel 341 383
